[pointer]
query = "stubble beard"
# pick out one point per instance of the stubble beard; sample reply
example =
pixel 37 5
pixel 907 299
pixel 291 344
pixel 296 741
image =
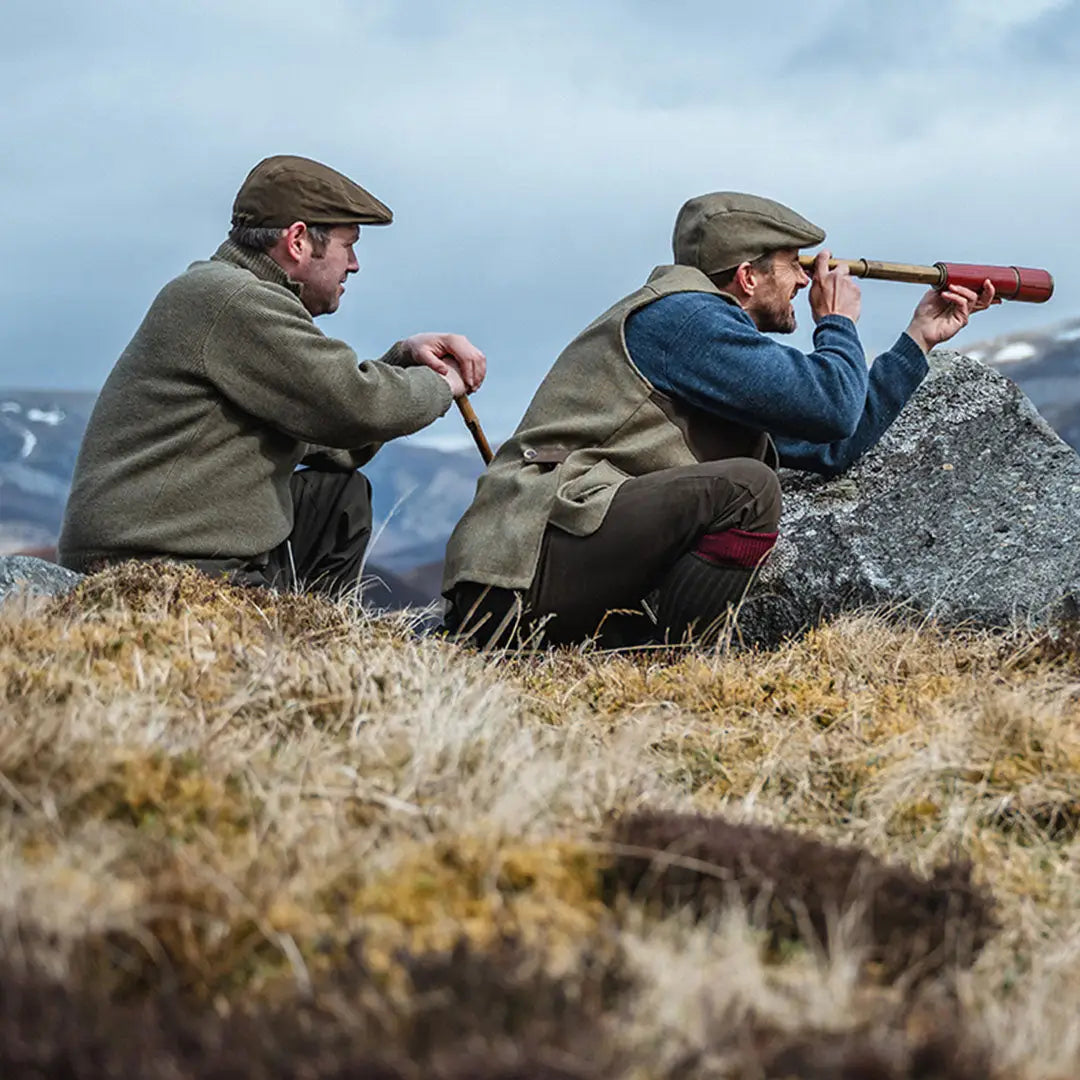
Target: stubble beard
pixel 321 301
pixel 778 320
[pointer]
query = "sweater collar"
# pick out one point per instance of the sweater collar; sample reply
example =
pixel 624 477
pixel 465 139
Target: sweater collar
pixel 258 262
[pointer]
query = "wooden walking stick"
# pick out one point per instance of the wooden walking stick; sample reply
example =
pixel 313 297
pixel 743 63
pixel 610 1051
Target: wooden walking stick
pixel 473 424
pixel 1010 282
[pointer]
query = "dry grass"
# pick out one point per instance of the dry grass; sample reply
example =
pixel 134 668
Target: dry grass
pixel 233 817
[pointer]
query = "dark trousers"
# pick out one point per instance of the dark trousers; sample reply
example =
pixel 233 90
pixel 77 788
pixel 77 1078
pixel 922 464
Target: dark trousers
pixel 582 580
pixel 325 550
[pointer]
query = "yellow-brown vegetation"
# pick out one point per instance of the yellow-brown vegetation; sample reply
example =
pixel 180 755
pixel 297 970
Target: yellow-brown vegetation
pixel 275 811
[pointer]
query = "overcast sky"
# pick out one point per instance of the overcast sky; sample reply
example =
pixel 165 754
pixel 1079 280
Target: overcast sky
pixel 534 154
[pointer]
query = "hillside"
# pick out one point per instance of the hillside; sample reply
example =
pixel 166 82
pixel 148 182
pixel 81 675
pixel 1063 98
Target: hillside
pixel 258 835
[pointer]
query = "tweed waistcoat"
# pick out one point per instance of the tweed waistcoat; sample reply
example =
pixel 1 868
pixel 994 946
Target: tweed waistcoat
pixel 594 422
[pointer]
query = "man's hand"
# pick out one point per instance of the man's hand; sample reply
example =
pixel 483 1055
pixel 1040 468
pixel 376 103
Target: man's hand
pixel 834 292
pixel 452 356
pixel 941 315
pixel 453 377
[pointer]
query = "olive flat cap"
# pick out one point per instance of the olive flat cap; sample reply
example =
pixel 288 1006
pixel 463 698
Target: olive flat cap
pixel 284 189
pixel 716 232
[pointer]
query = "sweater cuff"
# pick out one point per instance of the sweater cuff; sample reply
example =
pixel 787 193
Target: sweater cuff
pixel 912 358
pixel 838 330
pixel 840 322
pixel 396 356
pixel 432 389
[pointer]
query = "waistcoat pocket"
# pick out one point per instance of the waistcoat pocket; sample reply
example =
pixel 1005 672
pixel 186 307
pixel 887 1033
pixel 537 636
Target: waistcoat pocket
pixel 595 479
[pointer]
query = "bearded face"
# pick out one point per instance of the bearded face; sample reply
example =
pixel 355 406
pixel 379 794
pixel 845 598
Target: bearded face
pixel 777 316
pixel 776 286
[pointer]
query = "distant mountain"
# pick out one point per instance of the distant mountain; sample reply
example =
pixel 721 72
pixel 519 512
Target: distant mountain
pixel 418 495
pixel 1045 364
pixel 418 492
pixel 40 433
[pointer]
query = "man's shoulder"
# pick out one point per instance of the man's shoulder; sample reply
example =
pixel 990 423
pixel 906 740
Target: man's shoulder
pixel 680 307
pixel 208 275
pixel 217 282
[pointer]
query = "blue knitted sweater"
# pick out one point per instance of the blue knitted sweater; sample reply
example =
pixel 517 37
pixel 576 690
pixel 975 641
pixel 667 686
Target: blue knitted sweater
pixel 823 409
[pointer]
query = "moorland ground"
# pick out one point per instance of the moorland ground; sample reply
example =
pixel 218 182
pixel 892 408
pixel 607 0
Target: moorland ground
pixel 257 834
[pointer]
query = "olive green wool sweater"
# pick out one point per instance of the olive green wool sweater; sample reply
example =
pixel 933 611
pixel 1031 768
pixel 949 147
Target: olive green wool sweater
pixel 225 388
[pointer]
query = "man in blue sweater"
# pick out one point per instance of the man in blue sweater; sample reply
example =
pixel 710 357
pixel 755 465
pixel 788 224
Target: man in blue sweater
pixel 645 462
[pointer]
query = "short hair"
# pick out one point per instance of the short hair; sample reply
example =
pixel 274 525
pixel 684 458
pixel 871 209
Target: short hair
pixel 263 237
pixel 726 277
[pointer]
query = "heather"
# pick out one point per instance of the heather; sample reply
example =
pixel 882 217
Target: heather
pixel 257 834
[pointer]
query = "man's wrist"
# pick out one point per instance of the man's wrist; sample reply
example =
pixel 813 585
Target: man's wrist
pixel 833 315
pixel 919 338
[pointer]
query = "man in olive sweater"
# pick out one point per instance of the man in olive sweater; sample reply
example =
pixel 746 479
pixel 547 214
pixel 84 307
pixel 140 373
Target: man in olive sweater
pixel 192 449
pixel 644 466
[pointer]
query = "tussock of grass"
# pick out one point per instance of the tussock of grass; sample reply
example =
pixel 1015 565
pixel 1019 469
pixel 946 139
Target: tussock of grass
pixel 461 1015
pixel 236 818
pixel 798 888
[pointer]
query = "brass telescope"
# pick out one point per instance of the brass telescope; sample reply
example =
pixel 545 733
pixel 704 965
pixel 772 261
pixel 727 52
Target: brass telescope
pixel 1010 282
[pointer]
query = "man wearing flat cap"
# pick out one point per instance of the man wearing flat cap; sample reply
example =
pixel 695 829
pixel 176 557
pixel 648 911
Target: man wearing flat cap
pixel 644 468
pixel 192 449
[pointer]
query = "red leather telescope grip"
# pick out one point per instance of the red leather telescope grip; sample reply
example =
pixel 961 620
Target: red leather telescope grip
pixel 1010 282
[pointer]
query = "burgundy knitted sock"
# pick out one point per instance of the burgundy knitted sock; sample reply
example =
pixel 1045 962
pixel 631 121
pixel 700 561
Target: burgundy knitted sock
pixel 697 591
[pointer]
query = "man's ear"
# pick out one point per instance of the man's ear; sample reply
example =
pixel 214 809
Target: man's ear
pixel 293 240
pixel 745 278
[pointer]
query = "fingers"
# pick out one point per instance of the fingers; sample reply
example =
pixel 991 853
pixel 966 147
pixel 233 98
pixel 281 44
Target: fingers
pixel 429 357
pixel 961 303
pixel 821 266
pixel 470 360
pixel 958 294
pixel 455 382
pixel 834 292
pixel 987 296
pixel 446 353
pixel 980 301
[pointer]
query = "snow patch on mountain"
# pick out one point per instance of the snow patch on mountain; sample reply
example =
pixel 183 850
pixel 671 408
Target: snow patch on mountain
pixel 52 417
pixel 1014 352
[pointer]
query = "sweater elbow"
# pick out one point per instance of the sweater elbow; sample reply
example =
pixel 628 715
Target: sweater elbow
pixel 835 427
pixel 849 426
pixel 833 467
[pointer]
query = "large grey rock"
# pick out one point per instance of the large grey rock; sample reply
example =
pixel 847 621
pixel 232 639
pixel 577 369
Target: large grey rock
pixel 968 510
pixel 23 572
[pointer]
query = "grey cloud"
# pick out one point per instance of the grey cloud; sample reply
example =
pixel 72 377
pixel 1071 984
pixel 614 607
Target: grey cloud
pixel 534 154
pixel 1052 38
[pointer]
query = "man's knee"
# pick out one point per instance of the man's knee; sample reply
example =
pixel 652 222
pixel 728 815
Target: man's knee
pixel 746 495
pixel 331 488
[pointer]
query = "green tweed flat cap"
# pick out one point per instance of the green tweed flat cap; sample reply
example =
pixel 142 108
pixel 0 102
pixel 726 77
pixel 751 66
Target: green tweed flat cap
pixel 719 231
pixel 284 189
